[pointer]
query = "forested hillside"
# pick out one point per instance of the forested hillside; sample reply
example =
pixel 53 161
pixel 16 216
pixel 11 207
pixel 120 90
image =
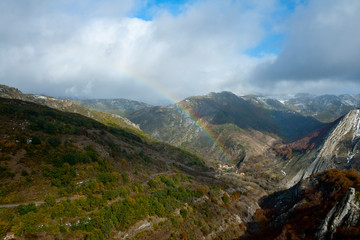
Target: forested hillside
pixel 67 176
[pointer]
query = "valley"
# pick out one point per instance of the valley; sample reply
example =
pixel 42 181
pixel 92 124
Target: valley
pixel 179 120
pixel 209 167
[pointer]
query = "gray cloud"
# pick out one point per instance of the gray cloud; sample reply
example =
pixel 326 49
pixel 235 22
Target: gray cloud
pixel 321 49
pixel 93 49
pixel 88 50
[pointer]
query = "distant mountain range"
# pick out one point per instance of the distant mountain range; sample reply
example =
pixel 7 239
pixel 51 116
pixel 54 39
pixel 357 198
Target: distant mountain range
pixel 241 128
pixel 325 108
pixel 222 127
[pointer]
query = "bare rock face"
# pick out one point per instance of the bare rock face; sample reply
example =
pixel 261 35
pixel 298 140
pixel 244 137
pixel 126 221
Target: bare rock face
pixel 323 206
pixel 344 213
pixel 336 143
pixel 340 149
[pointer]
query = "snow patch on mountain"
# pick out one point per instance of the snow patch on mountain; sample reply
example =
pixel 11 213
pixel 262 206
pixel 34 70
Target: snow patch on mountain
pixel 40 97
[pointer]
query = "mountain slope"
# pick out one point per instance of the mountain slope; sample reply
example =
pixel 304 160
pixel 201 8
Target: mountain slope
pixel 324 206
pixel 67 106
pixel 238 129
pixel 225 107
pixel 337 146
pixel 99 182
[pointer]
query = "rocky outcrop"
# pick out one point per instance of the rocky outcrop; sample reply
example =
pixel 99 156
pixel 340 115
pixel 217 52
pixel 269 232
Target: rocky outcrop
pixel 334 144
pixel 344 213
pixel 323 206
pixel 339 149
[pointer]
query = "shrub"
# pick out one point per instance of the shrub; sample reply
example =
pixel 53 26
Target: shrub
pixel 35 140
pixel 183 213
pixel 24 173
pixel 24 209
pixel 226 198
pixel 54 142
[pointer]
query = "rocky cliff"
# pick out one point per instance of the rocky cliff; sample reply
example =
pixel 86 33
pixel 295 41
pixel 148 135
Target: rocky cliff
pixel 323 206
pixel 345 212
pixel 338 148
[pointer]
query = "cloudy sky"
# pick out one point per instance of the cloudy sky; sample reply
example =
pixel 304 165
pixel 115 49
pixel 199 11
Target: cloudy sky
pixel 155 50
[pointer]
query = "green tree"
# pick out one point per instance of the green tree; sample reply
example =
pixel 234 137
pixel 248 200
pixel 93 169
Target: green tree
pixel 24 209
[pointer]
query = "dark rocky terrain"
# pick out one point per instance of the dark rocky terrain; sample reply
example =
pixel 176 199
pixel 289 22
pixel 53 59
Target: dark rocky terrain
pixel 324 206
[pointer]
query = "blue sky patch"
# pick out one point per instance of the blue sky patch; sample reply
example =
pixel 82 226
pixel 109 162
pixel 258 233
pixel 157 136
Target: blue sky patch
pixel 150 9
pixel 269 45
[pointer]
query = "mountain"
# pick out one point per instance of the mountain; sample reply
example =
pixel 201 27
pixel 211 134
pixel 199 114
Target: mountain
pixel 324 206
pixel 225 107
pixel 238 129
pixel 66 176
pixel 325 108
pixel 266 102
pixel 120 106
pixel 335 146
pixel 67 106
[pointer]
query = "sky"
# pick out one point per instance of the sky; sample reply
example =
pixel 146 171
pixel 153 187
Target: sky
pixel 158 51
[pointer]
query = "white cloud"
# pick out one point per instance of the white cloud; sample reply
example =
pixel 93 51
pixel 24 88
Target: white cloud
pixel 59 50
pixel 93 49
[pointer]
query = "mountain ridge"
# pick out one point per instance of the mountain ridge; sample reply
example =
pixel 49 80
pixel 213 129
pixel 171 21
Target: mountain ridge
pixel 325 108
pixel 67 105
pixel 218 112
pixel 118 106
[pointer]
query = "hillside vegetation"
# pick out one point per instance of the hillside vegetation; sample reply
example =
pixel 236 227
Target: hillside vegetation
pixel 76 178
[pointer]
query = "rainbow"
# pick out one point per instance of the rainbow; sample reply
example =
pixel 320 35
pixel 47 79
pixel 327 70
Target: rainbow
pixel 202 127
pixel 180 108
